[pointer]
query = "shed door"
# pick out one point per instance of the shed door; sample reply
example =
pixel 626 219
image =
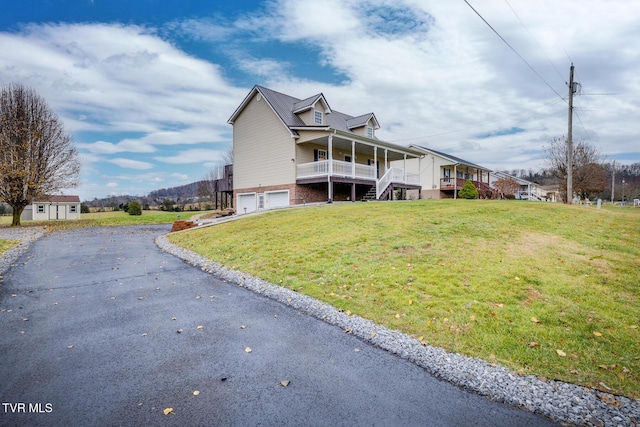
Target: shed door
pixel 246 203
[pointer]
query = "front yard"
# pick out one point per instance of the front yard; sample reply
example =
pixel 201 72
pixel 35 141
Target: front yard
pixel 545 289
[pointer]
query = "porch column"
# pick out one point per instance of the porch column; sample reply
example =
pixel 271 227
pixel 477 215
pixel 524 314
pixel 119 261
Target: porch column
pixel 404 169
pixel 455 182
pixel 353 192
pixel 385 160
pixel 375 162
pixel 330 169
pixel 353 160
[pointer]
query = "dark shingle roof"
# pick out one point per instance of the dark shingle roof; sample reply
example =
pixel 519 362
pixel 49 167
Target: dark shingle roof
pixel 285 105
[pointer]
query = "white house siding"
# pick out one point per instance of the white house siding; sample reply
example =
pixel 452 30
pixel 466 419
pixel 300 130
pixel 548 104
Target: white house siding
pixel 430 169
pixel 263 148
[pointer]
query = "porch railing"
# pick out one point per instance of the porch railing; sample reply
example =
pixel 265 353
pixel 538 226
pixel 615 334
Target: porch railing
pixel 398 176
pixel 338 168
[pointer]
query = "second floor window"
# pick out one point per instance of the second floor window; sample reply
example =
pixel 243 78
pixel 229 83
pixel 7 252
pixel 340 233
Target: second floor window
pixel 369 132
pixel 317 117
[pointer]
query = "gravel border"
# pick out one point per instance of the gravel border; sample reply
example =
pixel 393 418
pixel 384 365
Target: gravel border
pixel 560 401
pixel 26 235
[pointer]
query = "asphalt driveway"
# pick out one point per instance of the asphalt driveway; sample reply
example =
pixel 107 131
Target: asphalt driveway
pixel 89 322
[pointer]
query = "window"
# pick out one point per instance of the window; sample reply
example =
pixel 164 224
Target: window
pixel 319 155
pixel 73 208
pixel 40 208
pixel 317 117
pixel 369 132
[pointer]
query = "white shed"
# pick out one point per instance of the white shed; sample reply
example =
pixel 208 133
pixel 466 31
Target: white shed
pixel 53 207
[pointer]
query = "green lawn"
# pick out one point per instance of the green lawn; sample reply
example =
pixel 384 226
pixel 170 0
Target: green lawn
pixel 542 288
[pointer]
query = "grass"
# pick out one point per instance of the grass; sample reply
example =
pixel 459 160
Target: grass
pixel 544 289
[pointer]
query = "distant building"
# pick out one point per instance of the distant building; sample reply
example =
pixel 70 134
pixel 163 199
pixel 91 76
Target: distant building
pixel 52 208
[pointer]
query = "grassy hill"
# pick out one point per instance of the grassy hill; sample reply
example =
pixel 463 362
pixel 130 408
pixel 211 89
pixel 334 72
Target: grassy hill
pixel 545 289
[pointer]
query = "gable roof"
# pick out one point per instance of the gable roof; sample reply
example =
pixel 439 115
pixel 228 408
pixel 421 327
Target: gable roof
pixel 449 157
pixel 286 107
pixel 362 120
pixel 57 199
pixel 307 104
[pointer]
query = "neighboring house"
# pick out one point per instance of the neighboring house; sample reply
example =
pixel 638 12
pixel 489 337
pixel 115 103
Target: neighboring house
pixel 52 207
pixel 527 191
pixel 442 175
pixel 290 151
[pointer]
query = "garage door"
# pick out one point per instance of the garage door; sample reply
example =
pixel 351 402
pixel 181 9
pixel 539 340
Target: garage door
pixel 246 203
pixel 276 199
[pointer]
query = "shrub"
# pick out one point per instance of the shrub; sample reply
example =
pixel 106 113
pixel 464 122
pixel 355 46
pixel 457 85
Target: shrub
pixel 468 191
pixel 134 208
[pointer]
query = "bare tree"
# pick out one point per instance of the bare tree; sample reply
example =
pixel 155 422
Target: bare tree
pixel 589 174
pixel 506 186
pixel 37 156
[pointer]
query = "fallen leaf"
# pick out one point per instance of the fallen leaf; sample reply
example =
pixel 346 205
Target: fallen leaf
pixel 517 278
pixel 357 350
pixel 174 318
pixel 144 334
pixel 609 400
pixel 243 326
pixel 561 353
pixel 168 411
pixel 195 393
pixel 200 327
pixel 71 346
pixel 179 331
pixel 410 302
pixel 603 367
pixel 397 316
pixel 633 327
pixel 284 383
pixel 248 349
pixel 373 335
pixel 157 289
pixel 535 320
pixel 26 319
pixel 533 344
pixel 598 334
pixel 573 355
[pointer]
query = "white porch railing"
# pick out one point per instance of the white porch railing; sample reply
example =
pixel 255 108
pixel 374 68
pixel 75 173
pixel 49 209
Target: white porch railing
pixel 338 168
pixel 395 175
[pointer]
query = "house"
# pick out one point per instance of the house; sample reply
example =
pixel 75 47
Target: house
pixel 442 175
pixel 52 207
pixel 289 151
pixel 527 190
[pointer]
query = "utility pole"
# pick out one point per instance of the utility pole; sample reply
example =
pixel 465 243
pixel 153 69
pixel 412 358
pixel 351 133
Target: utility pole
pixel 570 141
pixel 613 180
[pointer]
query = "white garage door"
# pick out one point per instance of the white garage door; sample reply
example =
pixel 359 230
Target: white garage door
pixel 246 203
pixel 276 199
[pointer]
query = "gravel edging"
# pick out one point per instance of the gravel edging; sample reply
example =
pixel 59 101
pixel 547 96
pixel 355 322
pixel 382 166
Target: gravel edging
pixel 26 235
pixel 557 400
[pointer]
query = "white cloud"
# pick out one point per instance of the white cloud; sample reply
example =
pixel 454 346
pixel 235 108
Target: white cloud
pixel 131 164
pixel 198 155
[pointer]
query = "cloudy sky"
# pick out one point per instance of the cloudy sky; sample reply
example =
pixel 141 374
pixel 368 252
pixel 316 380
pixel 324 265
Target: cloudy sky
pixel 146 87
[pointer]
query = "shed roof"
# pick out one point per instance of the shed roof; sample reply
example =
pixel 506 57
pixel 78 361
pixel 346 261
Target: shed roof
pixel 58 199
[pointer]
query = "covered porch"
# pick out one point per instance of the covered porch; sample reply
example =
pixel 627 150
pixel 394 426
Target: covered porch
pixel 341 158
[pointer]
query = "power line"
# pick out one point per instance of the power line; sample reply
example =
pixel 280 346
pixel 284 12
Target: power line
pixel 535 41
pixel 514 51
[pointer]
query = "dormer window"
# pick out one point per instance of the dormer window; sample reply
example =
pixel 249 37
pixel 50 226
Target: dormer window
pixel 369 132
pixel 317 117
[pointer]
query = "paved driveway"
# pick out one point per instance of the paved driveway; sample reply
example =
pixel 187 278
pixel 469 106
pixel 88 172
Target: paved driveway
pixel 89 322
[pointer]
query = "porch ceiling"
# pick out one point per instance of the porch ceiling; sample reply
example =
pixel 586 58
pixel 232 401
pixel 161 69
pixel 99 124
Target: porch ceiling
pixel 344 144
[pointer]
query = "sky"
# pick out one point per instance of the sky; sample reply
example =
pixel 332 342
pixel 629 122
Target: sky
pixel 146 87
